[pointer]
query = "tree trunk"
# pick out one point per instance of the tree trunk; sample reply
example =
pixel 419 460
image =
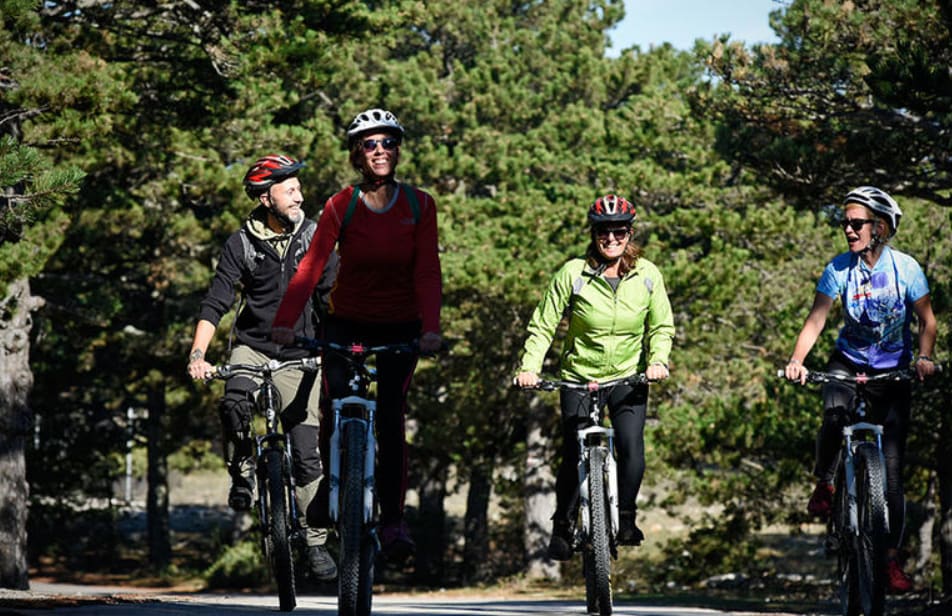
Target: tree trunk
pixel 539 495
pixel 160 548
pixel 927 527
pixel 430 531
pixel 944 471
pixel 476 525
pixel 16 381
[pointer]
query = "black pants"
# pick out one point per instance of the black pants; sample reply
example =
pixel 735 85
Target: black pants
pixel 394 373
pixel 889 405
pixel 627 407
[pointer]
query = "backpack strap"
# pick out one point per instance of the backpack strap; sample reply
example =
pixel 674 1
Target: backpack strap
pixel 352 206
pixel 251 254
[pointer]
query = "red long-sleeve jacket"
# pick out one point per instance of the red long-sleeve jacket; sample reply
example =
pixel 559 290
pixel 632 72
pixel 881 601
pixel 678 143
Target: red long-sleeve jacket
pixel 389 263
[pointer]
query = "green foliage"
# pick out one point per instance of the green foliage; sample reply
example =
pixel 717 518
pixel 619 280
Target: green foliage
pixel 516 121
pixel 238 566
pixel 854 94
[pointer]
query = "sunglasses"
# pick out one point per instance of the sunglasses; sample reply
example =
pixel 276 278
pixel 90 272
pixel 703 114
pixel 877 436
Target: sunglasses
pixel 856 223
pixel 388 143
pixel 619 232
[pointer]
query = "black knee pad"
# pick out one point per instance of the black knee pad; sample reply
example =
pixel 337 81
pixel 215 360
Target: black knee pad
pixel 236 410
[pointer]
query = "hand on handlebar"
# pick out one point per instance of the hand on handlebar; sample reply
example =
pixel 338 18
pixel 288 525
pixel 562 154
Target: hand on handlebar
pixel 526 380
pixel 924 367
pixel 796 371
pixel 657 372
pixel 282 335
pixel 430 342
pixel 200 369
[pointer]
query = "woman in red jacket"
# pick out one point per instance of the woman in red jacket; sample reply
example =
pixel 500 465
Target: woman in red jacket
pixel 388 290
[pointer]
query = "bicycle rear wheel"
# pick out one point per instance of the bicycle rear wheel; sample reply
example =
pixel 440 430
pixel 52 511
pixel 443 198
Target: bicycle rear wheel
pixel 357 547
pixel 280 555
pixel 596 564
pixel 873 533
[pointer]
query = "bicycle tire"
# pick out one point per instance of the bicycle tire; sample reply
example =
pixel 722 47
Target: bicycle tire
pixel 355 571
pixel 596 551
pixel 282 554
pixel 870 542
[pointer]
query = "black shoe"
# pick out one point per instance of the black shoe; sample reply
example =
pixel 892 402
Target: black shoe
pixel 560 545
pixel 628 531
pixel 242 492
pixel 240 496
pixel 321 563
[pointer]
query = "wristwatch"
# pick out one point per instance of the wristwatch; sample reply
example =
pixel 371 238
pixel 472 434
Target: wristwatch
pixel 196 355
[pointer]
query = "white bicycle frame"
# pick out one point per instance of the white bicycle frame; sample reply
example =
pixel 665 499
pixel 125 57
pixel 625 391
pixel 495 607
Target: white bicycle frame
pixel 366 423
pixel 607 436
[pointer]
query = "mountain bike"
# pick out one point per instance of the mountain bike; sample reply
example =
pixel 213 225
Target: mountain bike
pixel 352 503
pixel 597 526
pixel 281 533
pixel 858 528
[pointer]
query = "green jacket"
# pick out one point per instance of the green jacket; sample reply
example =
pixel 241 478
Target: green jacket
pixel 608 330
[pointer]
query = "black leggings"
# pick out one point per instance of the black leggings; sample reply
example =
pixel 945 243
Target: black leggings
pixel 394 372
pixel 627 407
pixel 889 405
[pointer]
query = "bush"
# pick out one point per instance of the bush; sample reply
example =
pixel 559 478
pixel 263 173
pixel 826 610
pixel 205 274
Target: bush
pixel 239 566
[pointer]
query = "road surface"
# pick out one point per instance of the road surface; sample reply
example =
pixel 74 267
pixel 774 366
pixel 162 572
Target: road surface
pixel 78 600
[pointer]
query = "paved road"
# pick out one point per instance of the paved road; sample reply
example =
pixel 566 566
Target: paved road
pixel 85 601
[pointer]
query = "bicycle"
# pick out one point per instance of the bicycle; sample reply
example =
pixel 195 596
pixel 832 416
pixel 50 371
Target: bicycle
pixel 281 532
pixel 352 502
pixel 597 527
pixel 858 528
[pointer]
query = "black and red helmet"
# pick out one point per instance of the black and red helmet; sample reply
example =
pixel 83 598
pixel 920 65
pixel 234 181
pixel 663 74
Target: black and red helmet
pixel 269 170
pixel 611 208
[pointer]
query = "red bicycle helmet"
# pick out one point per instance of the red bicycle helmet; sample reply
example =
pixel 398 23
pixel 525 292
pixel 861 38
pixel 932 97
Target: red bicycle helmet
pixel 269 170
pixel 611 208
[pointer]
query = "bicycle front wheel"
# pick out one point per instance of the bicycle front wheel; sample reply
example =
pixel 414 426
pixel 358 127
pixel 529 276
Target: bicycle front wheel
pixel 281 556
pixel 357 547
pixel 870 541
pixel 596 564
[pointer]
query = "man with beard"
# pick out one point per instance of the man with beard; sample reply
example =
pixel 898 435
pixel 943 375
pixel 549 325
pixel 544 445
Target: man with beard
pixel 260 258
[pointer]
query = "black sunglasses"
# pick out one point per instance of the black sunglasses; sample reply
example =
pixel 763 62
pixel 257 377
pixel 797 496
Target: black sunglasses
pixel 388 143
pixel 619 232
pixel 856 223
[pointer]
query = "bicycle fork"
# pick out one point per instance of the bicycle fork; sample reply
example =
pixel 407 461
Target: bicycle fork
pixel 849 467
pixel 360 412
pixel 602 436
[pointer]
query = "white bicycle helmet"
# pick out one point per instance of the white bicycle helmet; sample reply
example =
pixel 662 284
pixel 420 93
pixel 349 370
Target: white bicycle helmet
pixel 374 120
pixel 879 202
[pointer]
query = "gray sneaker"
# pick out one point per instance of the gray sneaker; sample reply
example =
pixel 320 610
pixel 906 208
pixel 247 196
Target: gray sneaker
pixel 321 563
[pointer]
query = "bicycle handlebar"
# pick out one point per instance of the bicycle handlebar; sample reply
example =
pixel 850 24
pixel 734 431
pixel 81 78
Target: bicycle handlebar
pixel 226 371
pixel 550 385
pixel 818 376
pixel 360 350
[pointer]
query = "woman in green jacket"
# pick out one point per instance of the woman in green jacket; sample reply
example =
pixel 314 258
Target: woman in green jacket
pixel 620 323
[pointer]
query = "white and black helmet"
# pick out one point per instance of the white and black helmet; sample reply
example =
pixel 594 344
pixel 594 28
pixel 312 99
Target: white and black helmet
pixel 879 202
pixel 374 120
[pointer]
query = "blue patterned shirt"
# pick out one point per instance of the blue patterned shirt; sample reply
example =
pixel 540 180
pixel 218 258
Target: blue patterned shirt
pixel 877 305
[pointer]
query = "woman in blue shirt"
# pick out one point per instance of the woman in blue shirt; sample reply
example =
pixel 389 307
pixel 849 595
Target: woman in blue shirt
pixel 882 291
